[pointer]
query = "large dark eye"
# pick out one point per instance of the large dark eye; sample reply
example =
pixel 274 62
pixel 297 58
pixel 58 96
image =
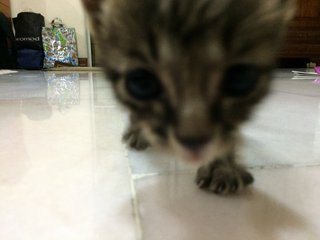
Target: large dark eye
pixel 142 84
pixel 240 80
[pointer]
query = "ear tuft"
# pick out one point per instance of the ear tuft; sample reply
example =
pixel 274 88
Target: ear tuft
pixel 290 7
pixel 92 5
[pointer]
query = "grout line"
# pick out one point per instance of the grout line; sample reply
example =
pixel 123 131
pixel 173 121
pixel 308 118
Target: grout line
pixel 281 166
pixel 136 214
pixel 137 176
pixel 144 175
pixel 135 204
pixel 166 173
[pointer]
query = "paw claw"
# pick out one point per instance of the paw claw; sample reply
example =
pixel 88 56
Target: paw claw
pixel 201 183
pixel 220 188
pixel 234 186
pixel 247 179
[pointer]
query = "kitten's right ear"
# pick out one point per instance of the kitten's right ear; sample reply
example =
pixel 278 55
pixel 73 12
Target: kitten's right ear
pixel 92 6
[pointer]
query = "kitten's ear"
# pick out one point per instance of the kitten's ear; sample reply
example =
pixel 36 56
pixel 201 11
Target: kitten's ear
pixel 289 7
pixel 92 6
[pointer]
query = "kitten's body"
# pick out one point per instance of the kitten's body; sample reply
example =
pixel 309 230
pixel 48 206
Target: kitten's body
pixel 190 72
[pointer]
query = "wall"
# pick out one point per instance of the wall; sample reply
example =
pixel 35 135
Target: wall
pixel 70 11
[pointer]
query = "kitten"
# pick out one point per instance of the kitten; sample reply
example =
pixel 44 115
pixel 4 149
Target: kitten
pixel 190 72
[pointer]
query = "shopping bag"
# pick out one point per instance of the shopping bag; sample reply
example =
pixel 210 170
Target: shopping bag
pixel 60 44
pixel 28 30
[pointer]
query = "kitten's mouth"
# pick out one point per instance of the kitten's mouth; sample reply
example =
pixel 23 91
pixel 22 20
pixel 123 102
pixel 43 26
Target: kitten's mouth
pixel 194 156
pixel 192 150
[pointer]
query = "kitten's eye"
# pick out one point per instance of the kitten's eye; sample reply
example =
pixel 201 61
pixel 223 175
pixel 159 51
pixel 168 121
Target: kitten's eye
pixel 240 80
pixel 142 84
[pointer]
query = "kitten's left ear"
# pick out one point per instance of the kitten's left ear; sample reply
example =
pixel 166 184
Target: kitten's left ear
pixel 289 7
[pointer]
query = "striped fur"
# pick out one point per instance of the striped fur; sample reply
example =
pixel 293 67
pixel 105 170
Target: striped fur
pixel 188 45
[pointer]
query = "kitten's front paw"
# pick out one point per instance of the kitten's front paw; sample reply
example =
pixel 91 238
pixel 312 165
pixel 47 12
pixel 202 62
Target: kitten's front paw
pixel 135 139
pixel 223 178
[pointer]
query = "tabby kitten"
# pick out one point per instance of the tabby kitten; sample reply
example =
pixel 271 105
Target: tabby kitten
pixel 190 72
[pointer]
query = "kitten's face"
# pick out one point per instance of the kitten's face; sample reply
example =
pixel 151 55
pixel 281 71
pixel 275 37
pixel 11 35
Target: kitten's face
pixel 190 71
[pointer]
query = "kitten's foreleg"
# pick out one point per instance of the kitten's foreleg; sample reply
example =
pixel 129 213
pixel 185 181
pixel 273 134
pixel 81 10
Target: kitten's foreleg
pixel 135 139
pixel 223 176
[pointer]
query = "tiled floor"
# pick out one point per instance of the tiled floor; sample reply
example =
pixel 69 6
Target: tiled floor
pixel 64 173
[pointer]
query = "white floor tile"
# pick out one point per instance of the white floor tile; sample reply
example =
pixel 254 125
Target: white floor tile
pixel 282 205
pixel 66 175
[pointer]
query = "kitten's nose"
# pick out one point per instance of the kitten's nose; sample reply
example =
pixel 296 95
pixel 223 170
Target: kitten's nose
pixel 193 143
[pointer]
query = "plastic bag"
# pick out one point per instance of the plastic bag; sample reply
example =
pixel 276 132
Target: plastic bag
pixel 60 44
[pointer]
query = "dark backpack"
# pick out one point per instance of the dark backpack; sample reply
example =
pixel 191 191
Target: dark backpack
pixel 8 50
pixel 28 29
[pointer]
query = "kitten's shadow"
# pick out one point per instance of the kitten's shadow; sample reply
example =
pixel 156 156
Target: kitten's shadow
pixel 190 214
pixel 269 217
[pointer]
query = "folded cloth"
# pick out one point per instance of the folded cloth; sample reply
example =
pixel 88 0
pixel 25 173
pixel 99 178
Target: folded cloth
pixel 2 72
